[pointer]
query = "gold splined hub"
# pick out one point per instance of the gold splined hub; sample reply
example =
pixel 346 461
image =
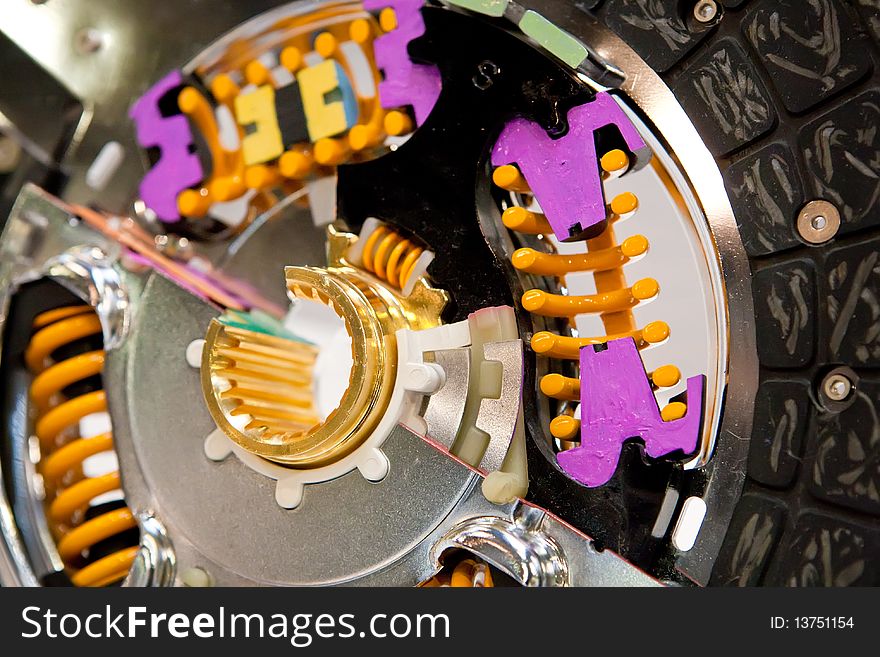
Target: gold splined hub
pixel 259 387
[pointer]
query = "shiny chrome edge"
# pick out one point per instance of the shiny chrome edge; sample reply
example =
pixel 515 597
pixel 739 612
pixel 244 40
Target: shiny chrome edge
pixel 156 562
pixel 555 553
pixel 517 546
pixel 89 272
pixel 40 240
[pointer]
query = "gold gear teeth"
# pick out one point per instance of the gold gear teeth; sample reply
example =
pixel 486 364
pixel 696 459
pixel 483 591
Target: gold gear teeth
pixel 258 387
pixel 614 299
pixel 267 379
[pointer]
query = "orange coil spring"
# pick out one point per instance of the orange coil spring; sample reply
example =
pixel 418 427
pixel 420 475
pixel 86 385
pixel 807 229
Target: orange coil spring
pixel 390 256
pixel 62 394
pixel 614 300
pixel 467 573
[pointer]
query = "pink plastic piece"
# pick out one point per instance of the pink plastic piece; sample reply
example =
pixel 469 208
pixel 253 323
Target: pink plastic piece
pixel 564 173
pixel 406 83
pixel 617 404
pixel 177 167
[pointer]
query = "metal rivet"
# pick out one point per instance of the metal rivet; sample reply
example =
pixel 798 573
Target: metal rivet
pixel 837 387
pixel 818 222
pixel 706 11
pixel 88 40
pixel 836 390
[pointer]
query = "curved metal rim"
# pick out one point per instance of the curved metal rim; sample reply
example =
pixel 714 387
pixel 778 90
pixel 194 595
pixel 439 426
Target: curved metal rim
pixel 668 120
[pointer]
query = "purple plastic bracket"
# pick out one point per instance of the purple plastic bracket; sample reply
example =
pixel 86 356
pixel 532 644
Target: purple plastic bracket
pixel 405 83
pixel 177 167
pixel 564 173
pixel 617 404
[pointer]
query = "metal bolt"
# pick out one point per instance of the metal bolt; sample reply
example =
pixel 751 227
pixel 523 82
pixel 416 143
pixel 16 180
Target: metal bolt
pixel 706 11
pixel 837 387
pixel 818 222
pixel 88 40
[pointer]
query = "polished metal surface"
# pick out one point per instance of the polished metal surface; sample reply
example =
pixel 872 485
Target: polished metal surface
pixel 156 562
pixel 498 416
pixel 818 221
pixel 219 515
pixel 445 410
pixel 88 272
pixel 516 546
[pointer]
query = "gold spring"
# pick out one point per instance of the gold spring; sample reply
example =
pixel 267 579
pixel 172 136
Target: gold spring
pixel 614 300
pixel 70 492
pixel 390 256
pixel 467 573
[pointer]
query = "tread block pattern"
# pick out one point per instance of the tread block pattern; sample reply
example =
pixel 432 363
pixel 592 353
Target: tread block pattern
pixel 842 151
pixel 869 10
pixel 852 309
pixel 655 30
pixel 846 466
pixel 826 551
pixel 725 98
pixel 781 418
pixel 754 532
pixel 767 193
pixel 810 49
pixel 786 96
pixel 785 314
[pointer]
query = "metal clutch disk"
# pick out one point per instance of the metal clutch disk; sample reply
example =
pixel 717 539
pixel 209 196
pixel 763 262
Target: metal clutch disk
pixel 407 293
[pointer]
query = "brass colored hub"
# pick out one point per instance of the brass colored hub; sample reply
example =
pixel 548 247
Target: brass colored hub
pixel 258 387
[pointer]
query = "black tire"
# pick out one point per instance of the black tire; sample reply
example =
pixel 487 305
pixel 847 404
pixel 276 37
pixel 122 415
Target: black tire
pixel 786 95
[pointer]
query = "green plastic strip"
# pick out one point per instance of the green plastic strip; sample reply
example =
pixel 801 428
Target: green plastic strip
pixel 494 8
pixel 557 42
pixel 260 322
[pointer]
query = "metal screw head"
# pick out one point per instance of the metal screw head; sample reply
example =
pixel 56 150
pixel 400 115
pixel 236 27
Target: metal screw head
pixel 706 11
pixel 836 389
pixel 818 222
pixel 837 386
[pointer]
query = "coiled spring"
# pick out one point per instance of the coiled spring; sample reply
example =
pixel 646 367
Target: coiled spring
pixel 390 256
pixel 467 573
pixel 97 541
pixel 614 300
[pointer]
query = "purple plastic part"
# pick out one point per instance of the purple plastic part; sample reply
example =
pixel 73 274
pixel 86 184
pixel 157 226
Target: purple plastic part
pixel 564 173
pixel 177 167
pixel 617 404
pixel 405 83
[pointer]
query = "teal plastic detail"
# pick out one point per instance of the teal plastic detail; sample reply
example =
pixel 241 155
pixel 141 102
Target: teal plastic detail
pixel 259 322
pixel 554 40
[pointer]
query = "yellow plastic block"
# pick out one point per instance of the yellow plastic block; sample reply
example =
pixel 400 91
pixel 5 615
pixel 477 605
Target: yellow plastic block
pixel 316 83
pixel 257 108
